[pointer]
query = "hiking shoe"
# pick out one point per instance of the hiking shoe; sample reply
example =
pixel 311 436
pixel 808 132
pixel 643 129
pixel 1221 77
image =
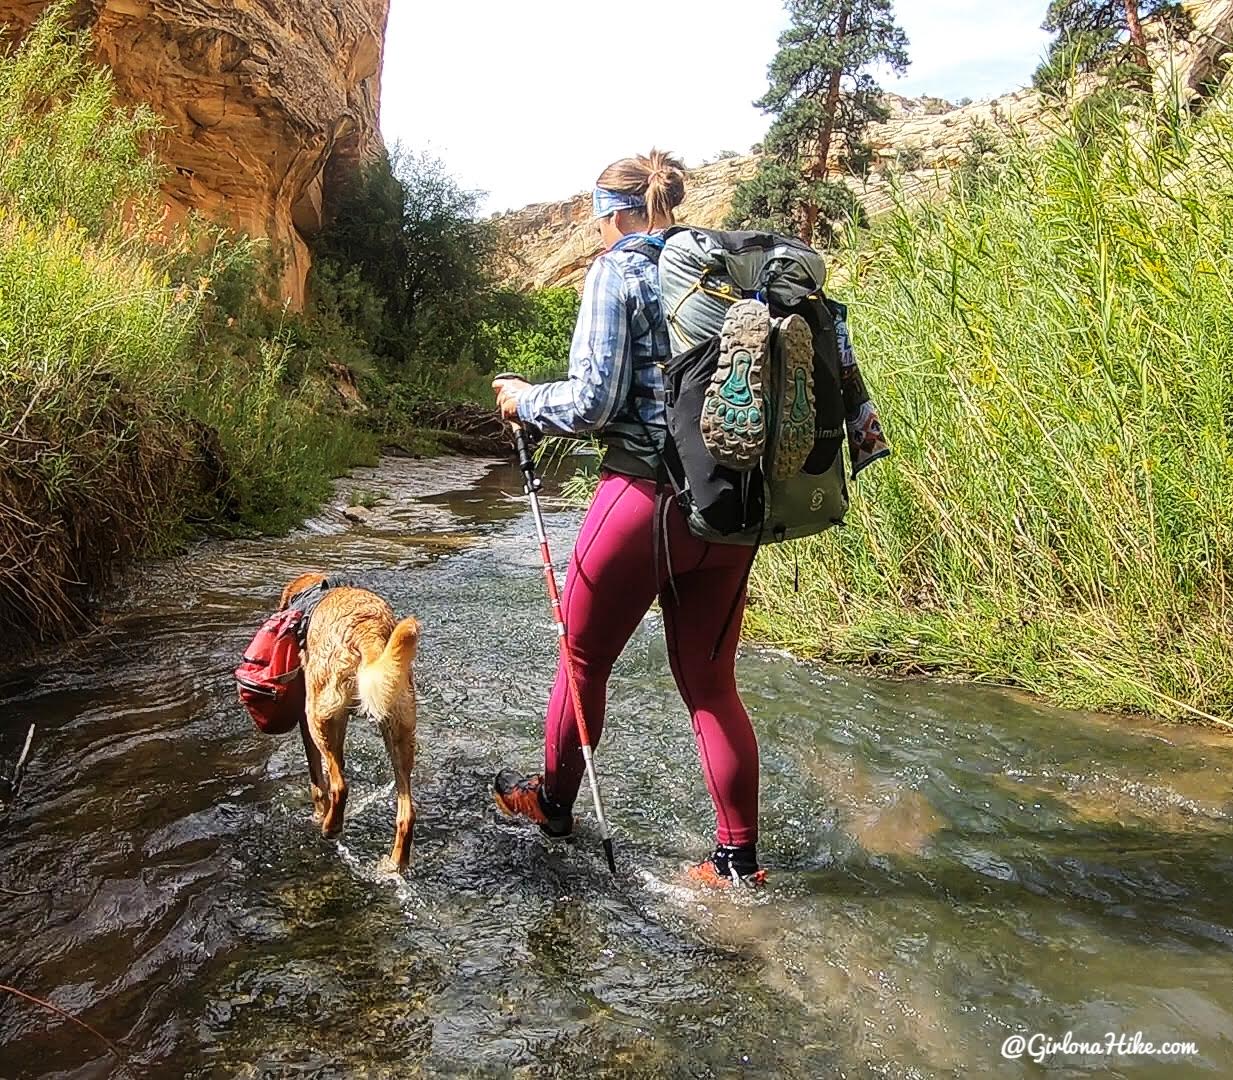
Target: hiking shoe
pixel 794 399
pixel 728 867
pixel 523 797
pixel 733 411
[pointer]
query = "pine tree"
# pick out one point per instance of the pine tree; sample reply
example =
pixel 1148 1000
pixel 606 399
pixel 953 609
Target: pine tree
pixel 1103 34
pixel 822 98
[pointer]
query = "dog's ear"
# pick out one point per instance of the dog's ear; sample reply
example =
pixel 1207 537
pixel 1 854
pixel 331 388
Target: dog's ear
pixel 304 581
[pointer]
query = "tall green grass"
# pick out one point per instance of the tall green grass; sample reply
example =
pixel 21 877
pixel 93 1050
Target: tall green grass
pixel 124 410
pixel 1050 347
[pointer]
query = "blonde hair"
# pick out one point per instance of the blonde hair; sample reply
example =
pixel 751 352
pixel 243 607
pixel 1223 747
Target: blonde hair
pixel 657 177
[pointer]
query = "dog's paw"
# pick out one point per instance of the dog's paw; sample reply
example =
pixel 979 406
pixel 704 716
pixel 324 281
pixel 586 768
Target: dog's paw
pixel 387 864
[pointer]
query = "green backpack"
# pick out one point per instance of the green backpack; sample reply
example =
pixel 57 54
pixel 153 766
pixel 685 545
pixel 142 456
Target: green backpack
pixel 702 273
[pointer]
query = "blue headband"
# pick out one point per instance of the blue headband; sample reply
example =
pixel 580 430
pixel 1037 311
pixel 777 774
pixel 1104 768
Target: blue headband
pixel 605 202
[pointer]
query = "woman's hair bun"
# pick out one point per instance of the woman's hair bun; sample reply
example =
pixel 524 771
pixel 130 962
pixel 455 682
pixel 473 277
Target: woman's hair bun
pixel 658 177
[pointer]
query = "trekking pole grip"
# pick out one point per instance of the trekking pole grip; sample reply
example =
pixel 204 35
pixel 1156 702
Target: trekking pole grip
pixel 526 460
pixel 522 445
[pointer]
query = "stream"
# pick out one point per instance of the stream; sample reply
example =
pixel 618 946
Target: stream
pixel 949 865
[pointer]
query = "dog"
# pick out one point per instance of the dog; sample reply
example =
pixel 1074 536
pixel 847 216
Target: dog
pixel 357 653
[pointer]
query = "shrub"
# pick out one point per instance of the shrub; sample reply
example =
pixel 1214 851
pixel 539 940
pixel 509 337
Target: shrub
pixel 772 200
pixel 534 340
pixel 859 160
pixel 66 148
pixel 406 264
pixel 910 158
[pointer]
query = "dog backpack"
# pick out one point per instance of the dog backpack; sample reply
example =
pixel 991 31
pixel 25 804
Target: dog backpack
pixel 271 680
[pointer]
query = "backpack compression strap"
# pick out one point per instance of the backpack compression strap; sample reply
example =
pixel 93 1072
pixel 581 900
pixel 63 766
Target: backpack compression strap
pixel 306 602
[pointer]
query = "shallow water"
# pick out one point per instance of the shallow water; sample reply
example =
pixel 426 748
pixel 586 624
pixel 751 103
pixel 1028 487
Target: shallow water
pixel 949 866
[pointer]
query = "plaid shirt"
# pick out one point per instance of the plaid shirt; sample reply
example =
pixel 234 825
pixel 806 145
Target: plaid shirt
pixel 619 341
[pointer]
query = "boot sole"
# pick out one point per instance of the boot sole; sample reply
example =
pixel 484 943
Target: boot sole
pixel 795 403
pixel 734 410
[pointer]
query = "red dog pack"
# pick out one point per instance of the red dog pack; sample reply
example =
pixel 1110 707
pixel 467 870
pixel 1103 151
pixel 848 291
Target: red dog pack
pixel 271 680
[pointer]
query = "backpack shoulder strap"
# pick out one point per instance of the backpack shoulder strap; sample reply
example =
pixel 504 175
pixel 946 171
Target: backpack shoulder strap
pixel 649 246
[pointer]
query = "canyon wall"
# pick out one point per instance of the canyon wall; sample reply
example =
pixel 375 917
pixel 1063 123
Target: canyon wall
pixel 268 103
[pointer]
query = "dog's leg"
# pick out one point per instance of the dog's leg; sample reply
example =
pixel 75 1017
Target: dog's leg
pixel 328 709
pixel 399 734
pixel 316 777
pixel 334 731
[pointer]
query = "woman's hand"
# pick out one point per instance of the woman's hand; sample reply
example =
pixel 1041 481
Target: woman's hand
pixel 508 392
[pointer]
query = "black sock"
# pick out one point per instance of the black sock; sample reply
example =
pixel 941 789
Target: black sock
pixel 550 807
pixel 743 859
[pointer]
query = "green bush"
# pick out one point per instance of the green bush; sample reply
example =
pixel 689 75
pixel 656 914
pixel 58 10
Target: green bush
pixel 535 340
pixel 66 148
pixel 859 159
pixel 406 265
pixel 281 437
pixel 910 158
pixel 772 200
pixel 1050 351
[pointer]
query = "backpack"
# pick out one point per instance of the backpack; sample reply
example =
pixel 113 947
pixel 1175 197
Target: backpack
pixel 702 273
pixel 270 681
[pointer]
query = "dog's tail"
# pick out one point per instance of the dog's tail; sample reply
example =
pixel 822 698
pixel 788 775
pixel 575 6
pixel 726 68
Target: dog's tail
pixel 383 676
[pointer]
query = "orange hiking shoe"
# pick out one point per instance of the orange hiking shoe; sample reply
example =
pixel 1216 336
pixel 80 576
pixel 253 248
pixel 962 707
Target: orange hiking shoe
pixel 523 797
pixel 728 867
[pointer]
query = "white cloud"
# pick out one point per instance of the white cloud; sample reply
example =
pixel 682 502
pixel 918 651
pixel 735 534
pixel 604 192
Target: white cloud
pixel 530 99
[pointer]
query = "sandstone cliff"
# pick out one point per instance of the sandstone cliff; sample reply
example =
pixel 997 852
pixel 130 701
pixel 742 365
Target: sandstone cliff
pixel 267 103
pixel 923 139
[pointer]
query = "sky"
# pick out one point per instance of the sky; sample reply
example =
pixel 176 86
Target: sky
pixel 528 100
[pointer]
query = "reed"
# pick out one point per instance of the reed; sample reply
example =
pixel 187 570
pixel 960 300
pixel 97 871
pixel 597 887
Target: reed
pixel 1050 349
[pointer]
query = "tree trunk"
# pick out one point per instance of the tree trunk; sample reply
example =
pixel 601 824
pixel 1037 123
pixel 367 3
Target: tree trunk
pixel 821 165
pixel 1138 40
pixel 809 221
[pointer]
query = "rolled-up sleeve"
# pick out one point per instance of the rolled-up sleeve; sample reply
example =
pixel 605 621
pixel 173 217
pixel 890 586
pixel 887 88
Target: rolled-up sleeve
pixel 600 365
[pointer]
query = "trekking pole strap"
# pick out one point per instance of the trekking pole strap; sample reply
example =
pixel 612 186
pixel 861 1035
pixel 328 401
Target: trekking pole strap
pixel 522 444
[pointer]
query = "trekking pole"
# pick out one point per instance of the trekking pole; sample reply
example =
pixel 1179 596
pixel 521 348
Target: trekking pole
pixel 531 483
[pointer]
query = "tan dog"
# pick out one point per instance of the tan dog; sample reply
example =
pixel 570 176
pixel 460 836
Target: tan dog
pixel 357 654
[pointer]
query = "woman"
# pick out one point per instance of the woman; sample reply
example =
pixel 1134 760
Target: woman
pixel 621 562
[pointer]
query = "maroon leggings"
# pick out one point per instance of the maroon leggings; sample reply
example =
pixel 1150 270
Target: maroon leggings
pixel 611 583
